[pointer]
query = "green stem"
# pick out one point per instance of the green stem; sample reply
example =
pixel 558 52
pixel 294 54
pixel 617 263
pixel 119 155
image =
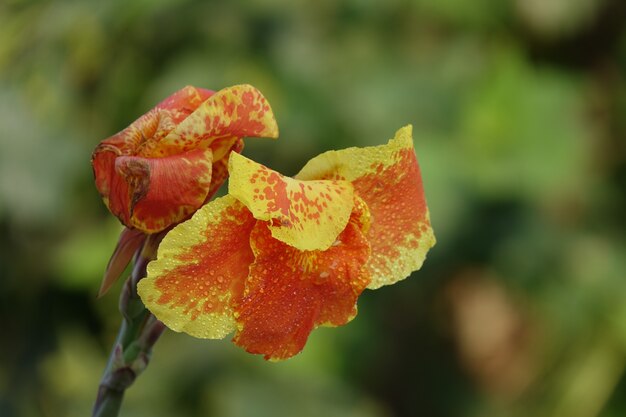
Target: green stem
pixel 138 333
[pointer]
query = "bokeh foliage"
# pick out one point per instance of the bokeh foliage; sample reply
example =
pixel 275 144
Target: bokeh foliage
pixel 519 115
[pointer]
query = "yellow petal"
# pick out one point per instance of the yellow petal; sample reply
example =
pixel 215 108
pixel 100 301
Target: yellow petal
pixel 388 179
pixel 200 270
pixel 308 215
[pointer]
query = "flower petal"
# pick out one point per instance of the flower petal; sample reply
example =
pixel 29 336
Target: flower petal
pixel 184 102
pixel 137 139
pixel 291 292
pixel 143 134
pixel 130 240
pixel 229 114
pixel 152 194
pixel 388 178
pixel 200 270
pixel 305 214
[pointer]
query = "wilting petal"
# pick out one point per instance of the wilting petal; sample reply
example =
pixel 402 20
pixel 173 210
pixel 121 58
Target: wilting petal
pixel 137 140
pixel 291 292
pixel 229 114
pixel 184 102
pixel 305 214
pixel 141 137
pixel 130 240
pixel 200 270
pixel 152 194
pixel 388 178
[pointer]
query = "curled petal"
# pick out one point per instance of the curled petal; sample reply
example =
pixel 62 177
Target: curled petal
pixel 200 270
pixel 388 179
pixel 229 114
pixel 152 194
pixel 184 102
pixel 305 214
pixel 143 134
pixel 291 292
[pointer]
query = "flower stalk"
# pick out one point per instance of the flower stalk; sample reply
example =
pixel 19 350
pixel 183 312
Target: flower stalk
pixel 138 333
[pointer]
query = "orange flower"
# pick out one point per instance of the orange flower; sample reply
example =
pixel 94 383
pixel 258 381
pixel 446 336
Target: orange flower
pixel 279 256
pixel 171 160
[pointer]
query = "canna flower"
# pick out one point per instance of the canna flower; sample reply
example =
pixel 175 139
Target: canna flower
pixel 278 257
pixel 170 161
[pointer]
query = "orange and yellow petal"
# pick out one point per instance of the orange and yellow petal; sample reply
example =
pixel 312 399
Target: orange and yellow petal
pixel 308 215
pixel 143 135
pixel 200 270
pixel 184 102
pixel 227 115
pixel 152 194
pixel 388 179
pixel 291 292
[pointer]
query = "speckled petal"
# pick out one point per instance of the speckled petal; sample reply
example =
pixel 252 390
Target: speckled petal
pixel 388 179
pixel 291 292
pixel 184 102
pixel 144 133
pixel 137 140
pixel 305 214
pixel 228 115
pixel 152 194
pixel 200 270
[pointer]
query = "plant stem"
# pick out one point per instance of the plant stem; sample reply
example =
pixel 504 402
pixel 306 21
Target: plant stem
pixel 138 333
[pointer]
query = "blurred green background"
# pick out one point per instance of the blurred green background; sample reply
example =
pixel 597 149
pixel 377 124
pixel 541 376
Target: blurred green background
pixel 519 115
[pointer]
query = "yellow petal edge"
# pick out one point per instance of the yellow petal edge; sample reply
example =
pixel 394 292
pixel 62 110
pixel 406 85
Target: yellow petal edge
pixel 176 242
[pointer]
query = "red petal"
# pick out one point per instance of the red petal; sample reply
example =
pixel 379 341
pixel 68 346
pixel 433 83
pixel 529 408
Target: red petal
pixel 152 194
pixel 184 102
pixel 290 292
pixel 141 136
pixel 150 128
